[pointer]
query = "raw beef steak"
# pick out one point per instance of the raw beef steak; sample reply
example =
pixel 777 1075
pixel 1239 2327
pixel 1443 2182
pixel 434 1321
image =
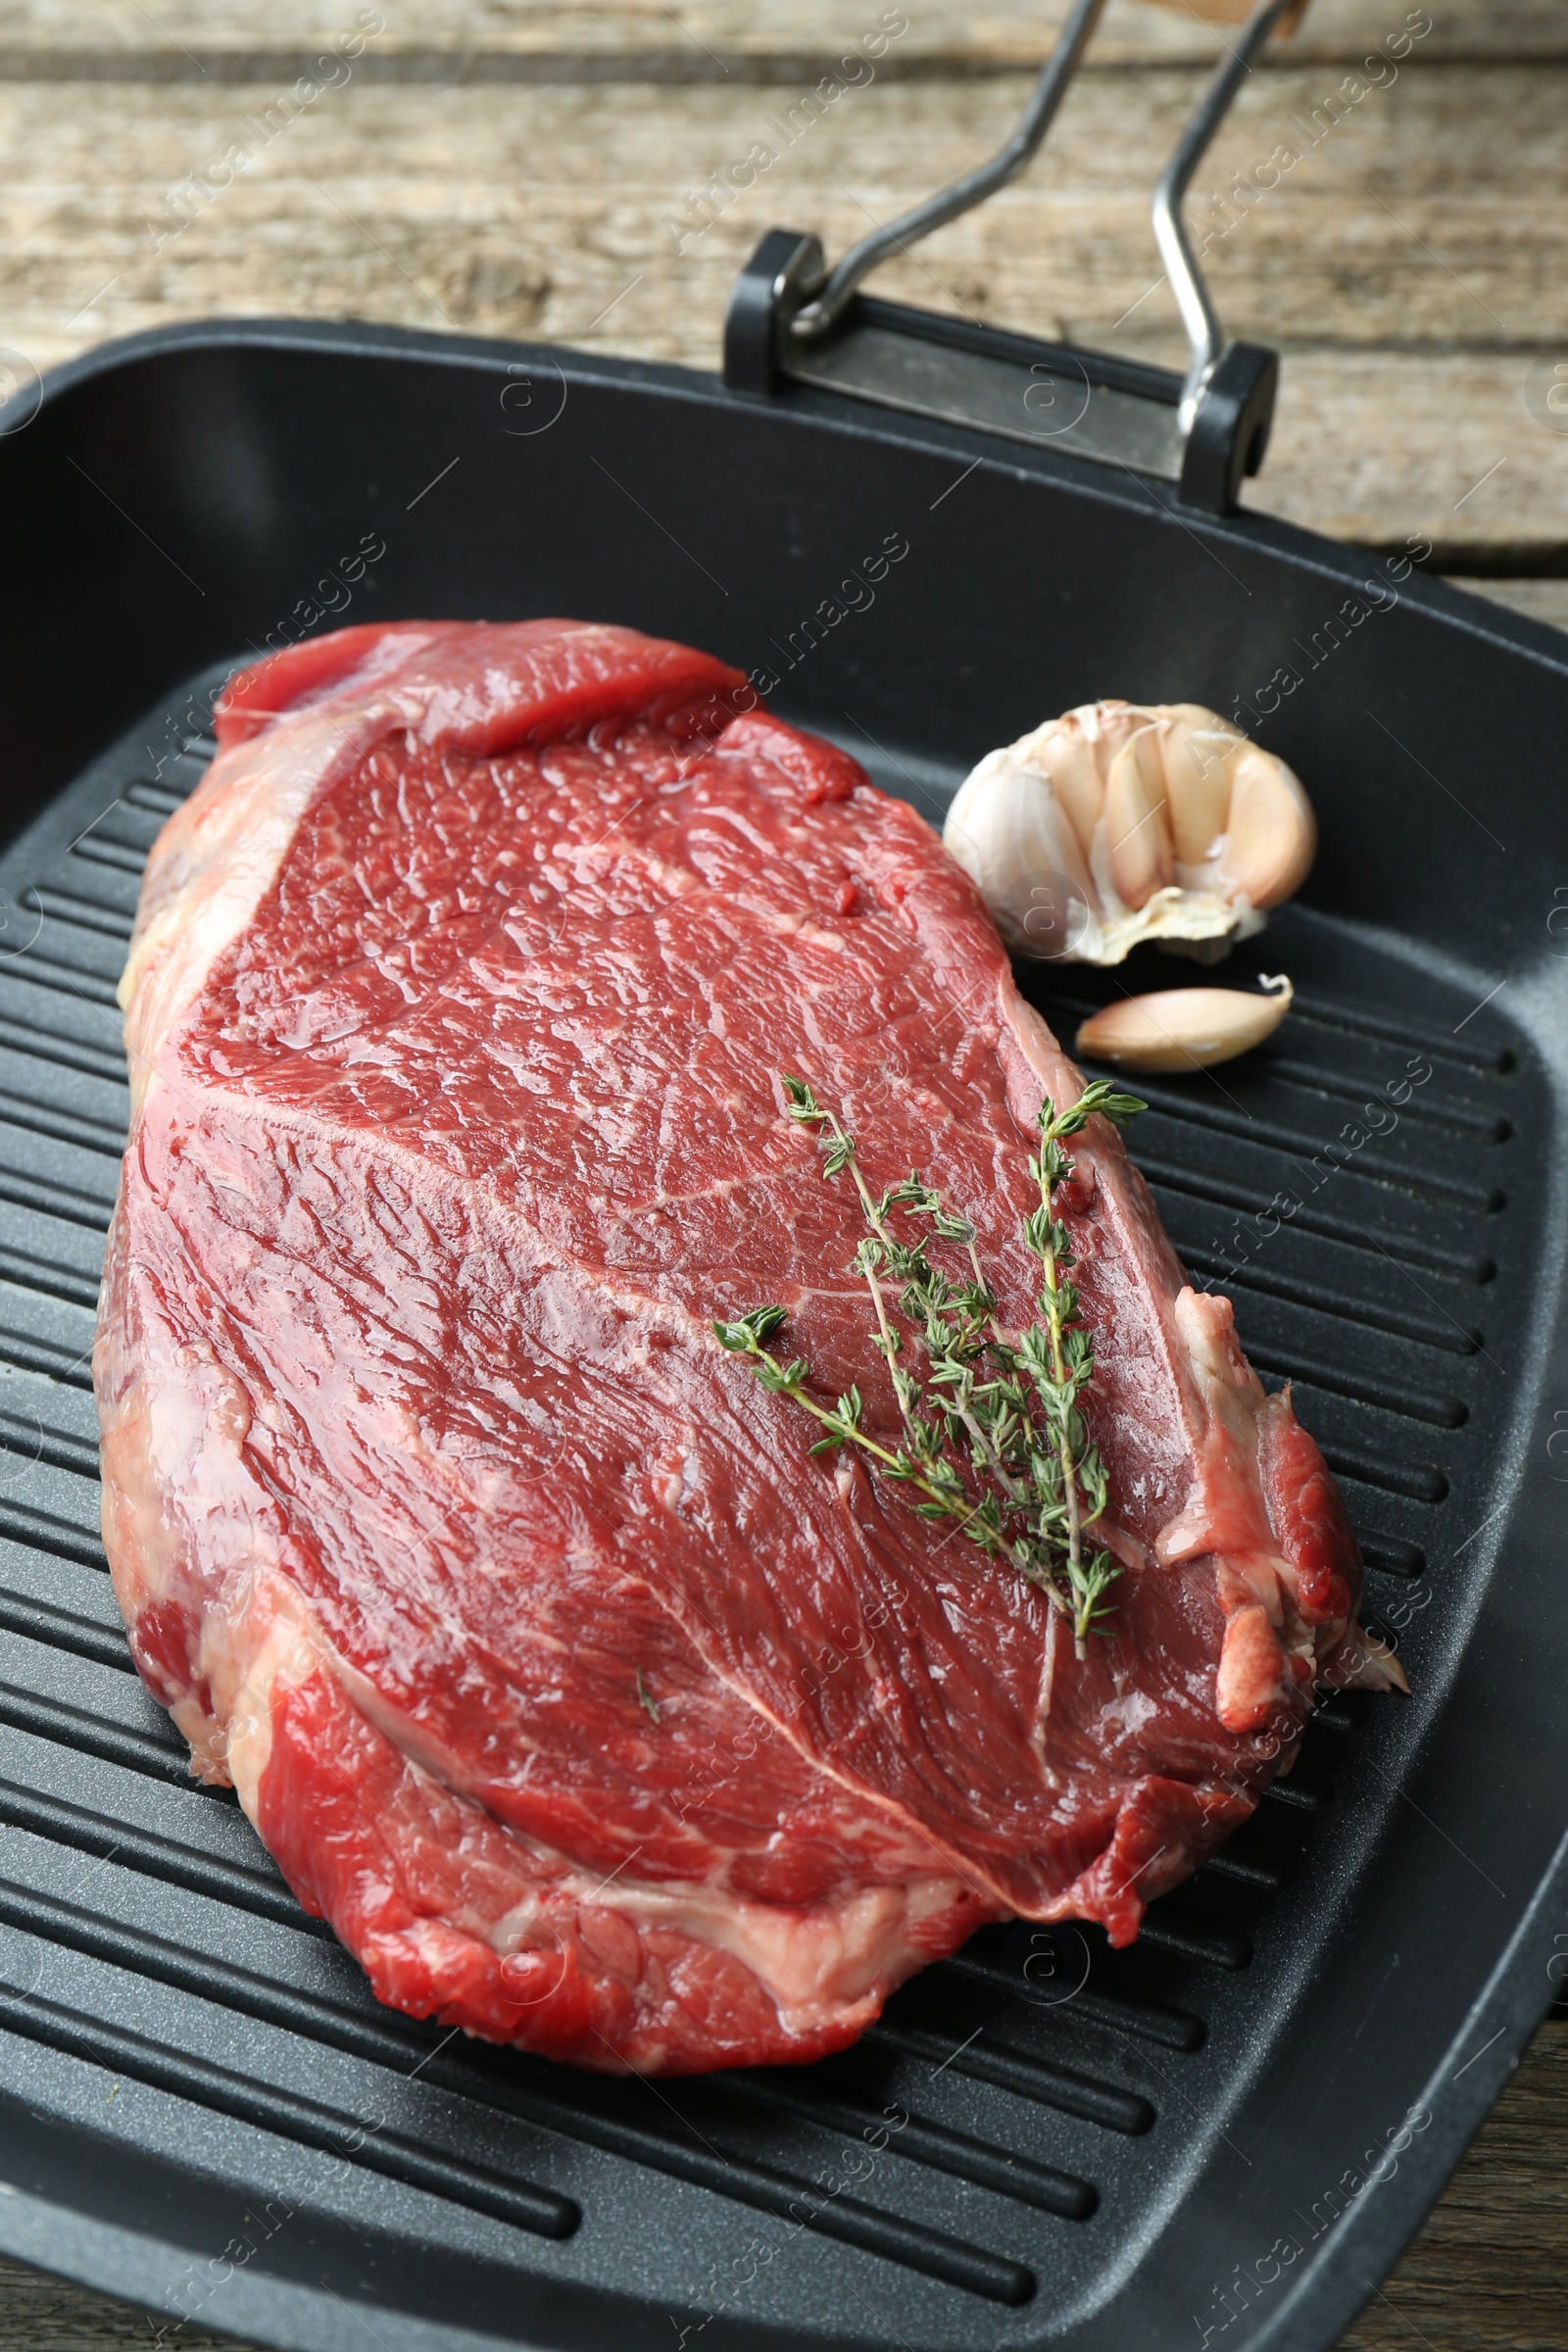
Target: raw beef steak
pixel 591 1710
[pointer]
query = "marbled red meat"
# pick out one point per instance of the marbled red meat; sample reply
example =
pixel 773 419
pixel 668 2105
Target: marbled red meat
pixel 592 1711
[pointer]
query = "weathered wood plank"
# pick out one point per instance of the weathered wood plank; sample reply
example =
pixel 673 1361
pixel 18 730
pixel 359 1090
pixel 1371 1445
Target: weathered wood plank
pixel 1412 289
pixel 1411 263
pixel 724 38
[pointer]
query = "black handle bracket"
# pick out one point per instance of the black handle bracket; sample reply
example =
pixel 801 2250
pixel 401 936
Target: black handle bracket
pixel 791 321
pixel 1086 404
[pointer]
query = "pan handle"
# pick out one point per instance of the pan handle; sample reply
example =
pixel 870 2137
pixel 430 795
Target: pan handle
pixel 791 321
pixel 965 193
pixel 1205 333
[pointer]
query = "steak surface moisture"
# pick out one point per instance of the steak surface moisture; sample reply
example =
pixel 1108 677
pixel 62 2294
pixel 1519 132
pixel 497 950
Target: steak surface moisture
pixel 591 1710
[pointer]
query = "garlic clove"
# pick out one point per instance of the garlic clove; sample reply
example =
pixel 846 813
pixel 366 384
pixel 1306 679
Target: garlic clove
pixel 1067 758
pixel 1200 755
pixel 1140 844
pixel 1111 726
pixel 1271 831
pixel 1011 836
pixel 1207 721
pixel 1185 1029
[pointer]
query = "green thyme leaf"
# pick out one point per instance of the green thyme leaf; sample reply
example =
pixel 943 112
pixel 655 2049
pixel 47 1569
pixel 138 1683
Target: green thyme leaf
pixel 803 1104
pixel 996 1439
pixel 746 1335
pixel 1102 1097
pixel 952 1229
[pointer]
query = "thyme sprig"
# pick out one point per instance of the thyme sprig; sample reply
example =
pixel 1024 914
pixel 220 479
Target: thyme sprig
pixel 994 1434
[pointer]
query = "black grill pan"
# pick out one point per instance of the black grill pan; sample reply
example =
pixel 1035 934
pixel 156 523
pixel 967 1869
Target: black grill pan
pixel 1222 2137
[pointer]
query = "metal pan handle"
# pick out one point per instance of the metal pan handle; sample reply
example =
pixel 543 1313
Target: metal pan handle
pixel 1204 332
pixel 965 194
pixel 791 320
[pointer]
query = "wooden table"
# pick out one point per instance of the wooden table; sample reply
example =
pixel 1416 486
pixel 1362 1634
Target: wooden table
pixel 517 167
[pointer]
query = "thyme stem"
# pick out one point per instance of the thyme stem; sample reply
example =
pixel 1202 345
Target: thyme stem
pixel 786 1379
pixel 844 1146
pixel 1069 1468
pixel 1018 1436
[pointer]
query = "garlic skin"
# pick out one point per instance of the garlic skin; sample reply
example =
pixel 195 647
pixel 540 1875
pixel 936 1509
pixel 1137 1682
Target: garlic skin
pixel 1184 1029
pixel 1126 822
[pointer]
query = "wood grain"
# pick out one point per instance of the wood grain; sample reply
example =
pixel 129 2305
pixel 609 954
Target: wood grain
pixel 524 168
pixel 1413 264
pixel 729 38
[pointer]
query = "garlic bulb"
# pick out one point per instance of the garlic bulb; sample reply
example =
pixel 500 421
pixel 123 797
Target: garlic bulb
pixel 1125 821
pixel 1185 1028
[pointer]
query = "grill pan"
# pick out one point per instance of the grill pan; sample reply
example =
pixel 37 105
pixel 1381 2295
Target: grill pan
pixel 1224 2134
